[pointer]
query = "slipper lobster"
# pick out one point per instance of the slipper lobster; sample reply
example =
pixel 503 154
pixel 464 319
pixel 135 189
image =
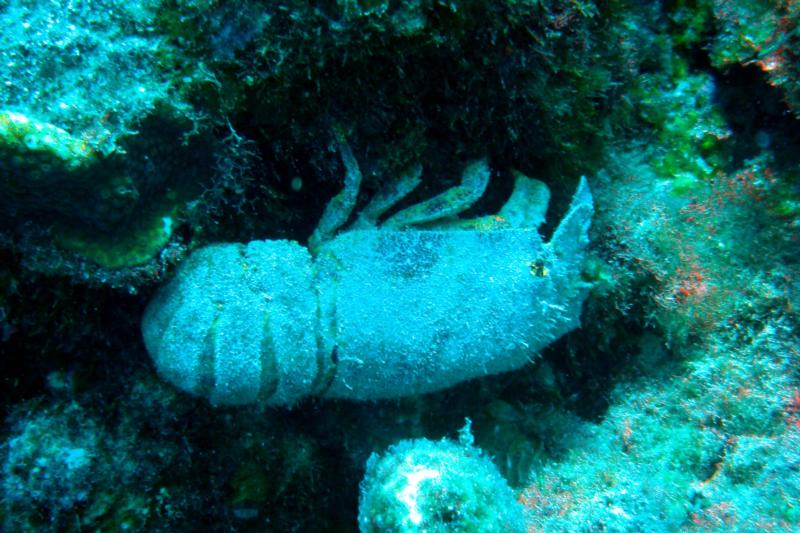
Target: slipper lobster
pixel 416 303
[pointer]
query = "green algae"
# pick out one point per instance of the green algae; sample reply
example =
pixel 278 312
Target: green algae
pixel 133 247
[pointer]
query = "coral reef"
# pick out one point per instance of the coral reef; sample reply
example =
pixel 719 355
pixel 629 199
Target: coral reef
pixel 103 153
pixel 422 485
pixel 136 136
pixel 64 465
pixel 764 34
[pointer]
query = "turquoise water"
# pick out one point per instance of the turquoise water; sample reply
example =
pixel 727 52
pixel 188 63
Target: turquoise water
pixel 399 266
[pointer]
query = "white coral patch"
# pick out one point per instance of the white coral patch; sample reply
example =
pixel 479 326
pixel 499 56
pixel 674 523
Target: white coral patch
pixel 410 494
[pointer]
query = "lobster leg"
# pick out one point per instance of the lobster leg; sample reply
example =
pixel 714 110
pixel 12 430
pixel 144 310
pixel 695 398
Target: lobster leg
pixel 448 204
pixel 524 209
pixel 527 206
pixel 388 197
pixel 339 208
